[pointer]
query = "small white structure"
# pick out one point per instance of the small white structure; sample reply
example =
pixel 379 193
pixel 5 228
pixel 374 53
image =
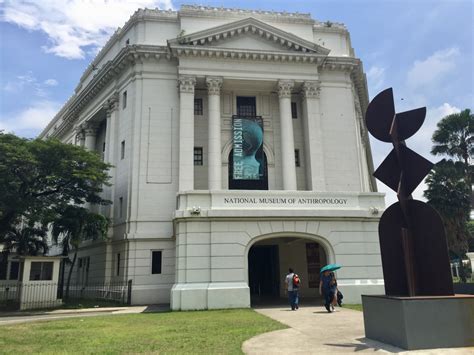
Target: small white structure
pixel 39 282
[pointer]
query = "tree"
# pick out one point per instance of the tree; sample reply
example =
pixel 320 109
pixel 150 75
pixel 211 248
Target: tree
pixel 448 192
pixel 73 225
pixel 450 182
pixel 454 138
pixel 43 182
pixel 38 178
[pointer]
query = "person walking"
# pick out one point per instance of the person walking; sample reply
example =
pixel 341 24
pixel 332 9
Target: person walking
pixel 328 289
pixel 292 282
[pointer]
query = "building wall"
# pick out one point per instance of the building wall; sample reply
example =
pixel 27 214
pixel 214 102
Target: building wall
pixel 205 258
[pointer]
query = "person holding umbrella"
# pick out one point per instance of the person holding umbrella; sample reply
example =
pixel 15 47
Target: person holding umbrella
pixel 328 286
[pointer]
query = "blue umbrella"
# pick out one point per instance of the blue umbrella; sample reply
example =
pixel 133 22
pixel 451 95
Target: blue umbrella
pixel 330 267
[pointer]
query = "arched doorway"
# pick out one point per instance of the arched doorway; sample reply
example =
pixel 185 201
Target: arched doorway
pixel 268 263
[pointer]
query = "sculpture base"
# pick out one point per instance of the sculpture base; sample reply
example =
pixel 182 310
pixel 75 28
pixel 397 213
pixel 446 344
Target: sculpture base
pixel 420 322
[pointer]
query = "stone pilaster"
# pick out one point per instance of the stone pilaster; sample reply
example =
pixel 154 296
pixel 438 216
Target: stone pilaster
pixel 186 132
pixel 214 133
pixel 286 132
pixel 313 137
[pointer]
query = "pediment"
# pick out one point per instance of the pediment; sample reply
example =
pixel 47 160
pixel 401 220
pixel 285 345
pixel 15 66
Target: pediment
pixel 247 34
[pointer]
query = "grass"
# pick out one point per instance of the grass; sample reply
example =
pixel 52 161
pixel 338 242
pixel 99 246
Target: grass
pixel 203 332
pixel 356 307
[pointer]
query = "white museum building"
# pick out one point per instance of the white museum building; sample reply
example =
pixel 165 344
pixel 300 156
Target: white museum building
pixel 239 150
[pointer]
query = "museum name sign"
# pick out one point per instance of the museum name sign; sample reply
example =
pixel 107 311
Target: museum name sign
pixel 284 201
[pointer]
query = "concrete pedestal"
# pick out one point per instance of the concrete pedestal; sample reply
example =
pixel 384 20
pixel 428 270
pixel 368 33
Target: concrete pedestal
pixel 420 322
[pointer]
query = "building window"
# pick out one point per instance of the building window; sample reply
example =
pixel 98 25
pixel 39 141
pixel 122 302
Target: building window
pixel 124 100
pixel 197 155
pixel 297 157
pixel 122 150
pixel 156 262
pixel 120 206
pixel 118 264
pixel 127 42
pixel 294 110
pixel 246 106
pixel 198 107
pixel 41 271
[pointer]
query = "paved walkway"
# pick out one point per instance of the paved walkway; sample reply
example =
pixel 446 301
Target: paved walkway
pixel 23 317
pixel 314 331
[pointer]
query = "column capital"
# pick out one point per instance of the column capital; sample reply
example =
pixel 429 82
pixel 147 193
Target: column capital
pixel 187 83
pixel 90 128
pixel 214 85
pixel 311 89
pixel 112 103
pixel 284 88
pixel 79 133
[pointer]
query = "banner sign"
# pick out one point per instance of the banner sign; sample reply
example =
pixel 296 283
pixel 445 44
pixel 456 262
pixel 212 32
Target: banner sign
pixel 248 148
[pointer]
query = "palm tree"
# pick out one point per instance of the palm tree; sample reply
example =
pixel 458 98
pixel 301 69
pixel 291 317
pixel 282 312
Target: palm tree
pixel 26 240
pixel 74 225
pixel 450 182
pixel 455 138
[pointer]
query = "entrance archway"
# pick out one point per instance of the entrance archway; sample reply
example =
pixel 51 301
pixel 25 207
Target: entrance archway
pixel 268 263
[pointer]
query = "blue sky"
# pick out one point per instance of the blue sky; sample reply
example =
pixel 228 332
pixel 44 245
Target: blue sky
pixel 423 49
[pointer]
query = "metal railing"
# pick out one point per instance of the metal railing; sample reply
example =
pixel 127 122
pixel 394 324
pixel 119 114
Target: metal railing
pixel 43 294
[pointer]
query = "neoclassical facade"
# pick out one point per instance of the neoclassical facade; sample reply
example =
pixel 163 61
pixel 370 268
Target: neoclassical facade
pixel 201 220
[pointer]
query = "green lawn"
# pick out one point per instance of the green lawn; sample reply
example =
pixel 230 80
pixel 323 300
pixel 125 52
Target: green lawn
pixel 204 332
pixel 356 307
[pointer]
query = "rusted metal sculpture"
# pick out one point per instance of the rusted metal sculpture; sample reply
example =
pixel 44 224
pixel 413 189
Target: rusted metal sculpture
pixel 413 244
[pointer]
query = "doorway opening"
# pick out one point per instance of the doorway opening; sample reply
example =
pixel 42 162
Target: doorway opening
pixel 268 263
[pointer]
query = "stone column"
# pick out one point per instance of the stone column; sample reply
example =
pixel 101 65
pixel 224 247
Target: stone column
pixel 286 131
pixel 80 137
pixel 186 132
pixel 214 134
pixel 90 131
pixel 110 154
pixel 313 138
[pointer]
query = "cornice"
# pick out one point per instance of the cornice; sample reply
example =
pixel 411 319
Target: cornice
pixel 330 27
pixel 140 53
pixel 218 12
pixel 138 16
pixel 250 25
pixel 127 56
pixel 246 54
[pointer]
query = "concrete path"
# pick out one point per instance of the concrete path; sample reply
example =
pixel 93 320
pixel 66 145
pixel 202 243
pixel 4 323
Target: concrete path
pixel 24 317
pixel 314 331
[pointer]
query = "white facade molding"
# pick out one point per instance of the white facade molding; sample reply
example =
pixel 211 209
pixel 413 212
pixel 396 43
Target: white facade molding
pixel 187 84
pixel 219 12
pixel 214 85
pixel 284 88
pixel 311 89
pixel 286 40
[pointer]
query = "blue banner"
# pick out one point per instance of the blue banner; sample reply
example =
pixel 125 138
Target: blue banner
pixel 248 148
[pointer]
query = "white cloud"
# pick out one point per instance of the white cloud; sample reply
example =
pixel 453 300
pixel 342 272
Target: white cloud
pixel 429 72
pixel 31 120
pixel 29 81
pixel 375 78
pixel 50 82
pixel 74 27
